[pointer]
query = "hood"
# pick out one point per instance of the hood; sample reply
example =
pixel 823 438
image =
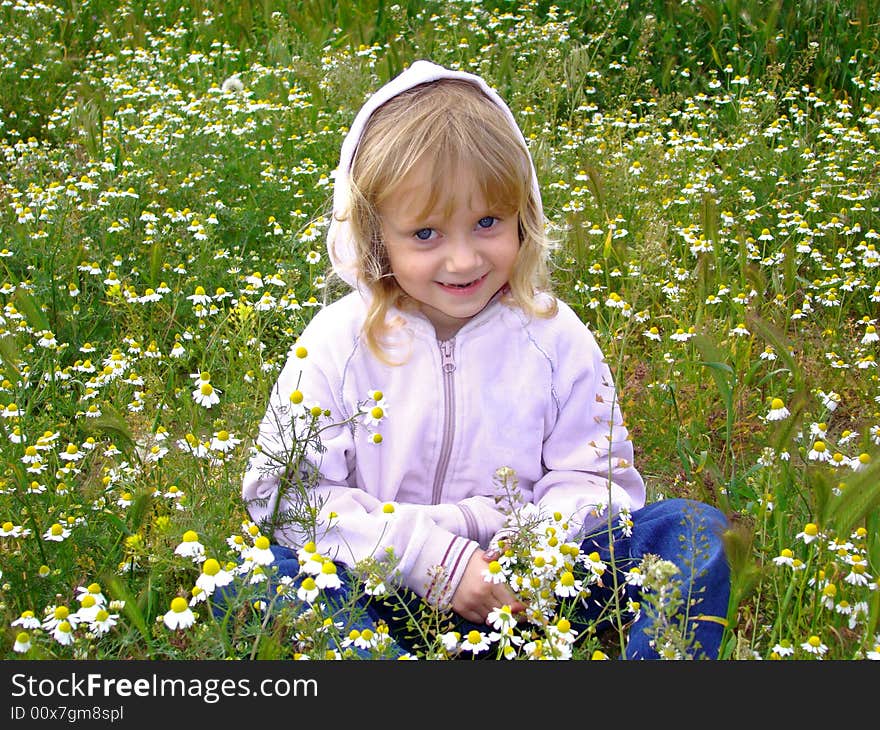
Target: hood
pixel 340 246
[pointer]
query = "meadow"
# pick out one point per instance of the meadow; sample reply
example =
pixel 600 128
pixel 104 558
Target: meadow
pixel 710 170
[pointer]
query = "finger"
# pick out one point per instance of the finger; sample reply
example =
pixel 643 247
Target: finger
pixel 476 617
pixel 504 597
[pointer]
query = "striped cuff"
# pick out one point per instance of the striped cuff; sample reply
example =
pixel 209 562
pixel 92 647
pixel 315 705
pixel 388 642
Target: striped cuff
pixel 443 579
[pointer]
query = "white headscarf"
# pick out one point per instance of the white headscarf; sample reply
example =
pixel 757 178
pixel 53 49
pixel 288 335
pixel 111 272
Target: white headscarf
pixel 340 244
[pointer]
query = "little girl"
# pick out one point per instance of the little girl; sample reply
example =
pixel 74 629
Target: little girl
pixel 451 359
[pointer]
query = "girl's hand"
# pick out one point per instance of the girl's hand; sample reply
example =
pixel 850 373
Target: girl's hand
pixel 475 597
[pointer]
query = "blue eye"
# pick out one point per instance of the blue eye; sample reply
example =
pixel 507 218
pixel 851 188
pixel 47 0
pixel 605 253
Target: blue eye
pixel 487 222
pixel 424 234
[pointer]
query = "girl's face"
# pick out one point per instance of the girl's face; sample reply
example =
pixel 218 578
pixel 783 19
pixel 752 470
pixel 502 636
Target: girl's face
pixel 453 259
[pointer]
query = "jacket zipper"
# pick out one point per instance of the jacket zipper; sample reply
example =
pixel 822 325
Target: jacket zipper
pixel 447 366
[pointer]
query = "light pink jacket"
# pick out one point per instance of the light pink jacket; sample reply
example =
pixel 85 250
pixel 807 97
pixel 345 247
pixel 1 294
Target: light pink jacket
pixel 534 395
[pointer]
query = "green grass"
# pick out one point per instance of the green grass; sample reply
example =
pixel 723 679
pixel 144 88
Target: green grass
pixel 710 168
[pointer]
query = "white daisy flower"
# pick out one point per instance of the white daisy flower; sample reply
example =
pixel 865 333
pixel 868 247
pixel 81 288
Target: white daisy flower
pixel 260 552
pixel 180 616
pixel 308 590
pixel 103 622
pixel 475 641
pixel 778 411
pixel 328 578
pixel 213 576
pixel 63 633
pixel 190 547
pixel 814 646
pixel 206 395
pixel 56 533
pixel 22 642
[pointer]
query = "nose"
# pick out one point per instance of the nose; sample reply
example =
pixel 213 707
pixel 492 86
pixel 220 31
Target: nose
pixel 462 255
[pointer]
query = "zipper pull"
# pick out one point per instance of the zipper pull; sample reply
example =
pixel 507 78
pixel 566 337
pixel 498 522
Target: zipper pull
pixel 447 359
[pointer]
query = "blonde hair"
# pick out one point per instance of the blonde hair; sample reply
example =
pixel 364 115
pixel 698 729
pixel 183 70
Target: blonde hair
pixel 445 124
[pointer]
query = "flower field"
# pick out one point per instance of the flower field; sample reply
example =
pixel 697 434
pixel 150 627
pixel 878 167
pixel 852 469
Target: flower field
pixel 710 171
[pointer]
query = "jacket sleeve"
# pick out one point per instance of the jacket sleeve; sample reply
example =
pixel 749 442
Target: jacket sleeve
pixel 588 455
pixel 302 489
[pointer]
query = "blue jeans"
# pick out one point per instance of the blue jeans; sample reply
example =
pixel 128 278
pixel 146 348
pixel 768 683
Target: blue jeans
pixel 685 532
pixel 688 534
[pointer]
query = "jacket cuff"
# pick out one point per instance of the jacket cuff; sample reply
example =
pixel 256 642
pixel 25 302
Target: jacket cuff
pixel 481 519
pixel 437 572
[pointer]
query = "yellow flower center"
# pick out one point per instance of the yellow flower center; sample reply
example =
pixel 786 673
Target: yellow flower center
pixel 190 536
pixel 474 636
pixel 179 605
pixel 211 567
pixel 262 543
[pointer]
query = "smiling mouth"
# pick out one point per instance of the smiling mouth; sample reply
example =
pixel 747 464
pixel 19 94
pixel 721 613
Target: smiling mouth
pixel 466 285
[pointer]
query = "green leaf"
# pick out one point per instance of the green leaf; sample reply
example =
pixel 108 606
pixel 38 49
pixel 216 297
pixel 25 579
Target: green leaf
pixel 130 609
pixel 710 218
pixel 10 355
pixel 594 183
pixel 112 424
pixel 722 373
pixel 156 261
pixel 32 311
pixel 859 497
pixel 140 509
